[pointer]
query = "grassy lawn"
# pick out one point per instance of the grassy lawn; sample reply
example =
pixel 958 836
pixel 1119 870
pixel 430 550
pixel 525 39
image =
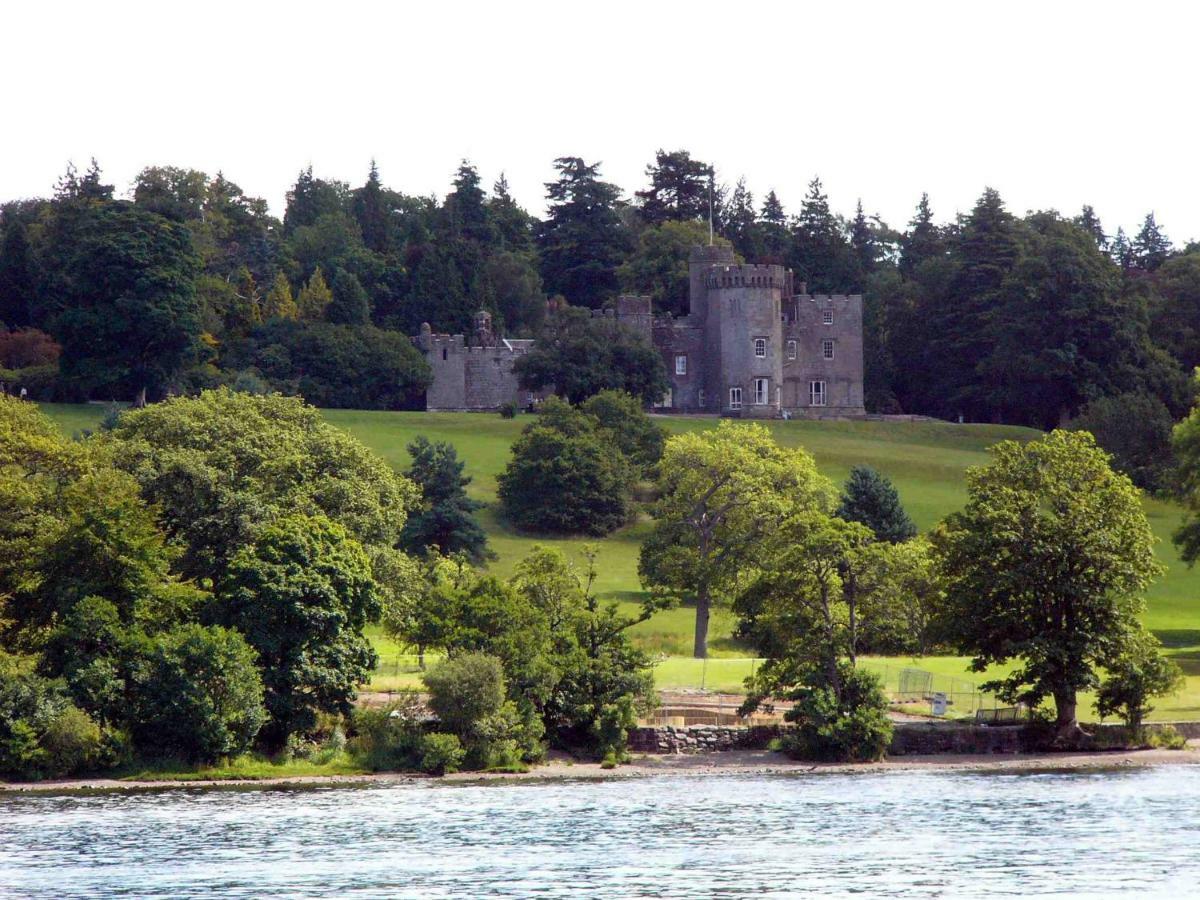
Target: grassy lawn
pixel 925 460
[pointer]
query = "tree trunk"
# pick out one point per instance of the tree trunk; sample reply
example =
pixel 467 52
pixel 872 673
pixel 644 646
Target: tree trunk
pixel 1065 726
pixel 703 608
pixel 140 400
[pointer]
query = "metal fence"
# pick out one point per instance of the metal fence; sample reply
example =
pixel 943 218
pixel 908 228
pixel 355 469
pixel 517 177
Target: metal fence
pixel 922 690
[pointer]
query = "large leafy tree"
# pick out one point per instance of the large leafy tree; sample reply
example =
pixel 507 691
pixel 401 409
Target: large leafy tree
pixel 583 240
pixel 720 491
pixel 1047 566
pixel 659 265
pixel 445 520
pixel 566 476
pixel 580 355
pixel 18 276
pixel 301 592
pixel 223 464
pixel 129 312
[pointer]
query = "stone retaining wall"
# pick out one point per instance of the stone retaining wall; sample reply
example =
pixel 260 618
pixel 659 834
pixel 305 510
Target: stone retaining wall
pixel 909 738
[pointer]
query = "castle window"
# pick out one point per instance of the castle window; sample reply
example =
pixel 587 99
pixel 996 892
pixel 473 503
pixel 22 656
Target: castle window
pixel 791 349
pixel 816 393
pixel 760 348
pixel 827 348
pixel 681 364
pixel 827 317
pixel 735 398
pixel 700 398
pixel 443 353
pixel 761 392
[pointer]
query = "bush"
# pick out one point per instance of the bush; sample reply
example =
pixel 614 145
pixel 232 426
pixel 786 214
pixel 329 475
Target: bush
pixel 200 696
pixel 387 738
pixel 467 694
pixel 1140 673
pixel 623 418
pixel 852 727
pixel 441 753
pixel 1167 738
pixel 73 742
pixel 566 476
pixel 509 410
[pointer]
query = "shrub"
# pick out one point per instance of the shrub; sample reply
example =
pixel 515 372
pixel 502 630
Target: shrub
pixel 467 694
pixel 73 742
pixel 623 417
pixel 1138 674
pixel 387 738
pixel 1136 430
pixel 200 696
pixel 509 410
pixel 1167 738
pixel 850 726
pixel 441 753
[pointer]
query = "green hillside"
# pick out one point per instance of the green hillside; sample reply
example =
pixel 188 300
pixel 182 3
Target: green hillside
pixel 925 460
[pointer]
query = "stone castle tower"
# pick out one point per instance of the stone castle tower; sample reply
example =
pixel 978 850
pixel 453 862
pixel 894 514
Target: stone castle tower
pixel 750 346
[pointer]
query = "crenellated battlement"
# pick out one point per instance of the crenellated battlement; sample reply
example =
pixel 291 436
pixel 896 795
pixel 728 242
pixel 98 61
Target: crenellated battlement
pixel 747 276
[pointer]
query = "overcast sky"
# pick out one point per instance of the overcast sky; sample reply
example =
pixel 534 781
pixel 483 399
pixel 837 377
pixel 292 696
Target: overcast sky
pixel 1055 104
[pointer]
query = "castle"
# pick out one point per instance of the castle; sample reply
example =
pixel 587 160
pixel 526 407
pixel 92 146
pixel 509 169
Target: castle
pixel 750 346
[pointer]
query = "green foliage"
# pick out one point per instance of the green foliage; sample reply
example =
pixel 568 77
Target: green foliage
pixel 1136 430
pixel 335 366
pixel 199 695
pixel 301 593
pixel 582 241
pixel 718 490
pixel 566 476
pixel 314 297
pixel 659 265
pixel 1136 676
pixel 624 419
pixel 846 724
pixel 125 280
pixel 679 188
pixel 467 694
pixel 509 410
pixel 580 355
pixel 441 754
pixel 222 464
pixel 445 520
pixel 1047 565
pixel 350 304
pixel 388 738
pixel 871 499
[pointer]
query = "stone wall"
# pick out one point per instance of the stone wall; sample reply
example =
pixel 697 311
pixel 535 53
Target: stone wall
pixel 908 739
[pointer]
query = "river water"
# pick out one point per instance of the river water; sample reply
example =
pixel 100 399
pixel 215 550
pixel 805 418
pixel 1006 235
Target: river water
pixel 888 834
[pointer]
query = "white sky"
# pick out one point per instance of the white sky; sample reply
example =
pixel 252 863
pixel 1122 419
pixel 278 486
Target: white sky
pixel 1053 103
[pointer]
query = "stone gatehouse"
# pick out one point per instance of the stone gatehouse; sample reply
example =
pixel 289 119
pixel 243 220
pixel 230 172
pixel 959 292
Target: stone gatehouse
pixel 751 345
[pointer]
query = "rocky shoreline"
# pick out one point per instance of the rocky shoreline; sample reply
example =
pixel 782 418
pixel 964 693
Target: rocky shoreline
pixel 731 762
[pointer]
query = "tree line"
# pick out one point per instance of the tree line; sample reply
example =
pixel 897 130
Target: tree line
pixel 191 283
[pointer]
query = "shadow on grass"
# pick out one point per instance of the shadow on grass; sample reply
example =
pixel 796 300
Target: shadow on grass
pixel 1178 638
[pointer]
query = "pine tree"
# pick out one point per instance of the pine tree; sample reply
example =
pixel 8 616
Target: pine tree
pixel 350 304
pixel 776 239
pixel 863 244
pixel 1122 251
pixel 445 522
pixel 679 188
pixel 466 208
pixel 18 277
pixel 922 242
pixel 818 248
pixel 870 498
pixel 514 224
pixel 1090 222
pixel 279 303
pixel 314 297
pixel 371 211
pixel 1151 247
pixel 739 224
pixel 583 239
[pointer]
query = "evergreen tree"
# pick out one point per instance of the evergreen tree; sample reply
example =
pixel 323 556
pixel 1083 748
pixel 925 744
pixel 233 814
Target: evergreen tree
pixel 514 224
pixel 314 297
pixel 1090 222
pixel 739 224
pixel 1151 247
pixel 922 241
pixel 818 248
pixel 279 303
pixel 870 498
pixel 18 277
pixel 466 211
pixel 1122 251
pixel 350 304
pixel 310 199
pixel 371 211
pixel 679 188
pixel 583 239
pixel 863 246
pixel 445 521
pixel 776 239
pixel 246 311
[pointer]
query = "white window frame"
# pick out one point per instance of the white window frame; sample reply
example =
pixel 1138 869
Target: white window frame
pixel 827 348
pixel 827 317
pixel 791 349
pixel 762 391
pixel 817 393
pixel 680 363
pixel 760 344
pixel 735 398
